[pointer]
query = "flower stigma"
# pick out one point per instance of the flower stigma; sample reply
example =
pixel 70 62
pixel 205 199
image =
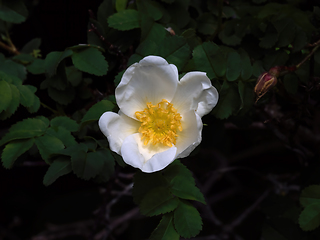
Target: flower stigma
pixel 159 123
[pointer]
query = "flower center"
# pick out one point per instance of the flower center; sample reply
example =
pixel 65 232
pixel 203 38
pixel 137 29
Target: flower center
pixel 159 123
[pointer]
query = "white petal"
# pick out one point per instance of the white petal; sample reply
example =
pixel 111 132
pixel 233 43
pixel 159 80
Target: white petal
pixel 195 92
pixel 116 127
pixel 150 80
pixel 190 136
pixel 147 158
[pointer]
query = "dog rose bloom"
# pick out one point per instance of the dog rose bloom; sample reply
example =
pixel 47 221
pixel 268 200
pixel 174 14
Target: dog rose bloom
pixel 160 117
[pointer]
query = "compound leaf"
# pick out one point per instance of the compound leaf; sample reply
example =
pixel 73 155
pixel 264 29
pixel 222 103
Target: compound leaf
pixel 60 166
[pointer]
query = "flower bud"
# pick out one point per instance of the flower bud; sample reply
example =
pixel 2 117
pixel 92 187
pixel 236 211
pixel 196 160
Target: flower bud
pixel 266 81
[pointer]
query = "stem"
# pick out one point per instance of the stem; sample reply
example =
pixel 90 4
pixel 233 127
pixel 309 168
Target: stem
pixel 46 106
pixel 317 45
pixel 11 47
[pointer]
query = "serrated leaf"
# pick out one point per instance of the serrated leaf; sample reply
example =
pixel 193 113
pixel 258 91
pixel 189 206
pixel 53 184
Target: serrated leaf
pixel 151 8
pixel 14 69
pixel 35 106
pixel 47 145
pixel 26 96
pixel 209 58
pixel 6 95
pixel 53 60
pixel 108 166
pixel 90 60
pixel 157 201
pixel 233 66
pixel 65 122
pixel 63 97
pixel 87 165
pixel 175 50
pixel 187 220
pixel 60 166
pixel 63 135
pixel 246 68
pixel 74 76
pixel 151 30
pixel 31 45
pixel 310 195
pixel 13 11
pixel 14 104
pixel 27 128
pixel 95 112
pixel 145 182
pixel 310 217
pixel 124 20
pixel 37 66
pixel 15 149
pixel 182 183
pixel 228 103
pixel 246 95
pixel 165 230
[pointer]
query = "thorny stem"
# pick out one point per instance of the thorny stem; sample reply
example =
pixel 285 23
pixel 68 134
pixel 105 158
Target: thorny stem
pixel 309 55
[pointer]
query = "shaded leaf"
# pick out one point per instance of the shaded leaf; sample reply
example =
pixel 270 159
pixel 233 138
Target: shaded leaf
pixel 6 95
pixel 95 112
pixel 165 230
pixel 63 135
pixel 60 166
pixel 246 95
pixel 28 128
pixel 37 66
pixel 108 165
pixel 187 220
pixel 157 201
pixel 310 217
pixel 26 96
pixel 53 60
pixel 124 20
pixel 121 5
pixel 233 66
pixel 310 195
pixel 31 45
pixel 246 68
pixel 13 11
pixel 90 60
pixel 63 97
pixel 65 122
pixel 15 149
pixel 47 145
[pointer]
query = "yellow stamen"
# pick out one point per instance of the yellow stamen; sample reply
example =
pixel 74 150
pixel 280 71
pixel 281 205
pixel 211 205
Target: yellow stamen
pixel 159 123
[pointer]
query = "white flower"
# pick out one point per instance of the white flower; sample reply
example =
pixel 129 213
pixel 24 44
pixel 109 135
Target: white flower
pixel 160 117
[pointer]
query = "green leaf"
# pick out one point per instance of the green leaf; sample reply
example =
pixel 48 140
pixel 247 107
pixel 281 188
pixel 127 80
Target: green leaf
pixel 157 201
pixel 165 230
pixel 53 60
pixel 310 217
pixel 87 165
pixel 108 166
pixel 257 68
pixel 300 40
pixel 233 66
pixel 291 83
pixel 13 11
pixel 228 101
pixel 90 60
pixel 187 220
pixel 152 31
pixel 207 24
pixel 310 195
pixel 277 58
pixel 6 95
pixel 145 182
pixel 60 166
pixel 47 145
pixel 65 122
pixel 27 128
pixel 124 20
pixel 63 97
pixel 26 96
pixel 246 95
pixel 15 149
pixel 246 68
pixel 209 58
pixel 14 104
pixel 121 5
pixel 35 106
pixel 31 45
pixel 287 31
pixel 175 50
pixel 151 8
pixel 182 183
pixel 74 76
pixel 37 66
pixel 95 112
pixel 63 135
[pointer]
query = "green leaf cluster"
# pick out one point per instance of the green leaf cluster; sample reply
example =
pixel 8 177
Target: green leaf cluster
pixel 167 192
